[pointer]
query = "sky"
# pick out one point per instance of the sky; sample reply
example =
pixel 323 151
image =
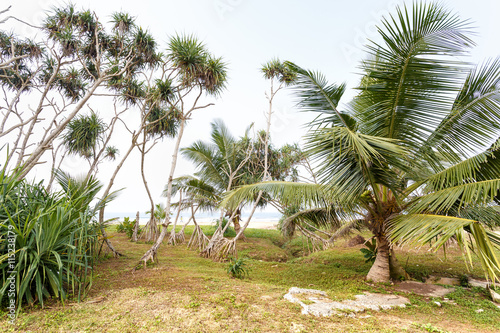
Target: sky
pixel 328 36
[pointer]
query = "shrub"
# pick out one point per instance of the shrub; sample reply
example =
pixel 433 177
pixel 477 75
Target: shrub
pixel 55 237
pixel 370 251
pixel 127 227
pixel 237 268
pixel 229 231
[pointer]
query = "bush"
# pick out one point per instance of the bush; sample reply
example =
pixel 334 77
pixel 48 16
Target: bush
pixel 229 231
pixel 370 251
pixel 127 227
pixel 237 268
pixel 54 236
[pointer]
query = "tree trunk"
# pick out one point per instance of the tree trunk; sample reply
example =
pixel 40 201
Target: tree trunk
pixel 172 239
pixel 136 228
pixel 236 223
pixel 380 271
pixel 396 270
pixel 47 143
pixel 152 252
pixel 151 227
pixel 106 193
pixel 116 254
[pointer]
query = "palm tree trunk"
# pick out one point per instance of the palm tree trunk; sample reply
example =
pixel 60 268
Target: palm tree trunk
pixel 396 270
pixel 172 238
pixel 236 223
pixel 380 271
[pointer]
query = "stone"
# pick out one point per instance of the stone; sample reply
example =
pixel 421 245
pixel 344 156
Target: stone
pixel 478 283
pixel 296 328
pixel 437 303
pixel 448 301
pixel 479 310
pixel 323 306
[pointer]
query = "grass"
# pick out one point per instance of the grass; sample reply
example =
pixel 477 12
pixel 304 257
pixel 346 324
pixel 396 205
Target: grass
pixel 187 293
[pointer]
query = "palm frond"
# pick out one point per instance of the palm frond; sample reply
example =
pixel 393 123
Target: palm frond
pixel 483 166
pixel 409 77
pixel 205 158
pixel 474 120
pixel 351 162
pixel 288 193
pixel 316 95
pixel 199 192
pixel 471 236
pixel 323 217
pixel 457 197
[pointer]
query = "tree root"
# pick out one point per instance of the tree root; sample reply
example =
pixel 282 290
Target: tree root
pixel 177 238
pixel 198 239
pixel 151 231
pixel 220 248
pixel 116 254
pixel 151 254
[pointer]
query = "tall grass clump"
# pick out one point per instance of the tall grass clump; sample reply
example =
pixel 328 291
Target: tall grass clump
pixel 55 237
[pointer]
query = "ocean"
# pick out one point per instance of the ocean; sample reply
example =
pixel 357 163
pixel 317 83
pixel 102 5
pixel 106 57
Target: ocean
pixel 203 218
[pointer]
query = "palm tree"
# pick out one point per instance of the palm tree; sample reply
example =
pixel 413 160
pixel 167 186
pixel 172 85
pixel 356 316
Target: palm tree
pixel 415 153
pixel 220 164
pixel 194 72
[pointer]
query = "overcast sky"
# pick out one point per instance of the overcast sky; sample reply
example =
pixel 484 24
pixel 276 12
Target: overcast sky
pixel 322 35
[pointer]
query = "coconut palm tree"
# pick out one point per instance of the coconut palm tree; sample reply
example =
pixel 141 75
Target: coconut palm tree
pixel 220 164
pixel 415 153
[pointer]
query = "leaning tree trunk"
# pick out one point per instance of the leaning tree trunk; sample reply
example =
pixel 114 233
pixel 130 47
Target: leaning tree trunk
pixel 151 227
pixel 106 193
pixel 380 271
pixel 151 254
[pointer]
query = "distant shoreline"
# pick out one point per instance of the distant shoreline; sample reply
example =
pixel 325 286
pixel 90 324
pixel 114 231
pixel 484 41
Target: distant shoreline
pixel 253 224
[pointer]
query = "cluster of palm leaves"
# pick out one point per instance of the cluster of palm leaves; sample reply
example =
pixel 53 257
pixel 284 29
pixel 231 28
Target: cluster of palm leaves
pixel 220 163
pixel 56 238
pixel 415 154
pixel 227 162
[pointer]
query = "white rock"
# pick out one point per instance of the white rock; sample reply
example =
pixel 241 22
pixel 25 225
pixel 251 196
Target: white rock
pixel 324 306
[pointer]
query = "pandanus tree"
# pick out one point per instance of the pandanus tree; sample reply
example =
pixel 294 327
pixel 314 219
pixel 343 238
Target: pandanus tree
pixel 61 70
pixel 161 122
pixel 197 196
pixel 192 71
pixel 85 136
pixel 415 153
